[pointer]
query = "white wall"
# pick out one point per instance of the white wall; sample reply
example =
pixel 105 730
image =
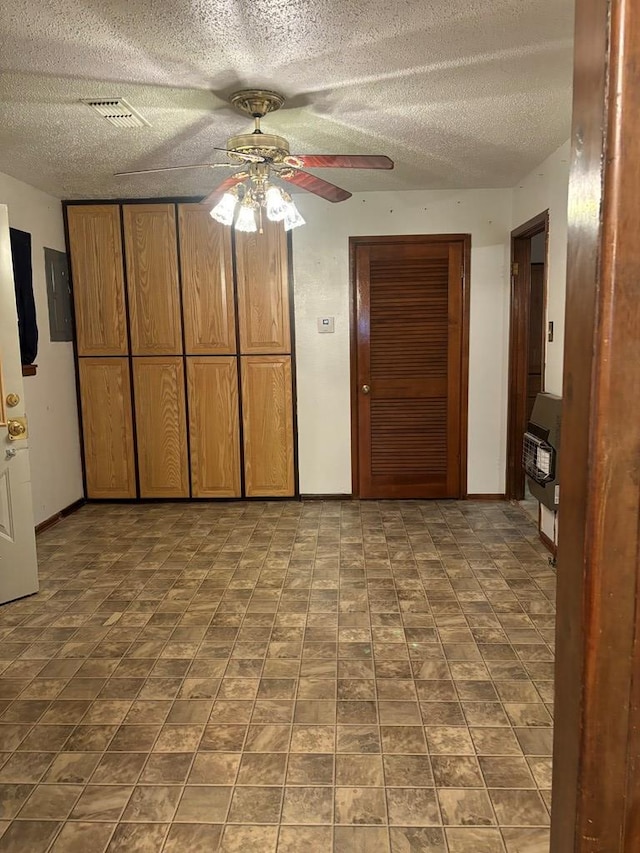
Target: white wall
pixel 547 188
pixel 50 396
pixel 321 276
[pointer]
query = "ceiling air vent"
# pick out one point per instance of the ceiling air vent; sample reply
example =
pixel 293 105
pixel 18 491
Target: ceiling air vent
pixel 117 111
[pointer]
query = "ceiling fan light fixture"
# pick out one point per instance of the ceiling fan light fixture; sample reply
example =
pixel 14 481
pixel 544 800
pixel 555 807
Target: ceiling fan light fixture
pixel 246 220
pixel 292 218
pixel 276 205
pixel 225 208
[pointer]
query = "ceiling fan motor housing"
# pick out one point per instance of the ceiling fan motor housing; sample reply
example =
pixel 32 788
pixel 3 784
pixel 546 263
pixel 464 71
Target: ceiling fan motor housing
pixel 274 148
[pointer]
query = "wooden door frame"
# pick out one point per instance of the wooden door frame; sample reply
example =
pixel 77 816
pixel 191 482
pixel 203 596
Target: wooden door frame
pixel 520 311
pixel 596 772
pixel 354 243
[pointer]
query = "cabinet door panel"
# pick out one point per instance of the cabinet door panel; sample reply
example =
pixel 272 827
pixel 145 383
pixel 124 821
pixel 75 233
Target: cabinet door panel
pixel 267 411
pixel 161 427
pixel 263 290
pixel 214 428
pixel 107 427
pixel 207 282
pixel 152 279
pixel 95 249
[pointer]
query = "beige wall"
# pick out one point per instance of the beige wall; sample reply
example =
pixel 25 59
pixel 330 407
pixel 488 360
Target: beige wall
pixel 50 396
pixel 321 276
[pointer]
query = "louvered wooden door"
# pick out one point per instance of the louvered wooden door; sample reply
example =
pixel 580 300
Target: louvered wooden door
pixel 409 360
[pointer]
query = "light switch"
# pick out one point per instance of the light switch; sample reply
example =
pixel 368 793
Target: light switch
pixel 326 325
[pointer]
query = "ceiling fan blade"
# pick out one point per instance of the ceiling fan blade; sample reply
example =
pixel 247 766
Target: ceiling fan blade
pixel 314 185
pixel 340 161
pixel 175 168
pixel 222 188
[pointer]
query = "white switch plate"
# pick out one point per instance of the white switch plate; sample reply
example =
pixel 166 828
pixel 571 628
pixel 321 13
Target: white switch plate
pixel 326 325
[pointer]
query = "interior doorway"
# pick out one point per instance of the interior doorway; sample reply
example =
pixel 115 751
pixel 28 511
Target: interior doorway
pixel 527 338
pixel 409 368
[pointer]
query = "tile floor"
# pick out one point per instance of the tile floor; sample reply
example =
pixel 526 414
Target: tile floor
pixel 328 677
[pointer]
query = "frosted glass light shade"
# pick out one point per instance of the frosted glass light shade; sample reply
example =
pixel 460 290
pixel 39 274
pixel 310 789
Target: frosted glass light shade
pixel 276 205
pixel 246 220
pixel 224 209
pixel 292 217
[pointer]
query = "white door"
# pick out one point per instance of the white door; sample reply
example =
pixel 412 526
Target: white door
pixel 18 562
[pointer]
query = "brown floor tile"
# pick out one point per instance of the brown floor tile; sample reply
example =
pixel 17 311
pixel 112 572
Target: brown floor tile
pixel 32 835
pixel 519 808
pixel 12 798
pixel 506 772
pixel 152 803
pixel 119 768
pixel 168 768
pixel 78 837
pixel 417 840
pixel 465 807
pixel 360 806
pixel 204 804
pixel 526 840
pixel 138 838
pixel 319 839
pixel 195 838
pixel 25 767
pixel 360 839
pixel 98 802
pixel 255 805
pixel 239 839
pixel 236 649
pixel 50 802
pixel 475 841
pixel 456 771
pixel 310 769
pixel 307 805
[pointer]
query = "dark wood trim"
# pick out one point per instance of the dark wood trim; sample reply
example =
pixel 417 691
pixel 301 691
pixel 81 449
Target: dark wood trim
pixel 55 518
pixel 354 242
pixel 596 772
pixel 486 497
pixel 332 497
pixel 29 369
pixel 519 347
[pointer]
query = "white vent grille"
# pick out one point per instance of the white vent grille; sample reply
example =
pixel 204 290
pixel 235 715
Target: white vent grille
pixel 117 111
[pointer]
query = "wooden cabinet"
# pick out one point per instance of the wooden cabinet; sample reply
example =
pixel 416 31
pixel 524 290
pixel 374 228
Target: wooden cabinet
pixel 263 290
pixel 206 267
pixel 267 411
pixel 152 279
pixel 107 427
pixel 214 428
pixel 189 392
pixel 163 463
pixel 95 248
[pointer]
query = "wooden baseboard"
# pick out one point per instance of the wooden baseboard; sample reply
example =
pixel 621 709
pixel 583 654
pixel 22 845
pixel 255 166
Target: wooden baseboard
pixel 486 497
pixel 332 497
pixel 54 519
pixel 549 544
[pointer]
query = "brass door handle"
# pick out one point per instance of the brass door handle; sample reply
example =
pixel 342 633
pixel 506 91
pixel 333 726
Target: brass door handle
pixel 17 428
pixel 366 389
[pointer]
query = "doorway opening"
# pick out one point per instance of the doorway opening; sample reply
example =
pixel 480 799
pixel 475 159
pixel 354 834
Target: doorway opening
pixel 527 350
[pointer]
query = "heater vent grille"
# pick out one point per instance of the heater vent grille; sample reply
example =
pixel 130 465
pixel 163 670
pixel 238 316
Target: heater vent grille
pixel 116 111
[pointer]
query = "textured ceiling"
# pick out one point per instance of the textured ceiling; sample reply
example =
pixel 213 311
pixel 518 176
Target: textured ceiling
pixel 460 93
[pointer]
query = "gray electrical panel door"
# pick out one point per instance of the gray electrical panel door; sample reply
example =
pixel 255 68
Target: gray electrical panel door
pixel 58 295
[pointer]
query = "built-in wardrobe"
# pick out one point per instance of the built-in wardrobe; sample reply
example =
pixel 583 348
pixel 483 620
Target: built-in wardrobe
pixel 183 341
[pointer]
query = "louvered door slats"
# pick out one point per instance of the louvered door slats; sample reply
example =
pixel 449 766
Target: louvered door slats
pixel 409 354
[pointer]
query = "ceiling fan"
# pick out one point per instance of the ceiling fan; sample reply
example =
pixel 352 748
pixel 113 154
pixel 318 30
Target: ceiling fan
pixel 264 157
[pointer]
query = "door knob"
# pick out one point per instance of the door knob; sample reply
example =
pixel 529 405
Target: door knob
pixel 366 389
pixel 17 428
